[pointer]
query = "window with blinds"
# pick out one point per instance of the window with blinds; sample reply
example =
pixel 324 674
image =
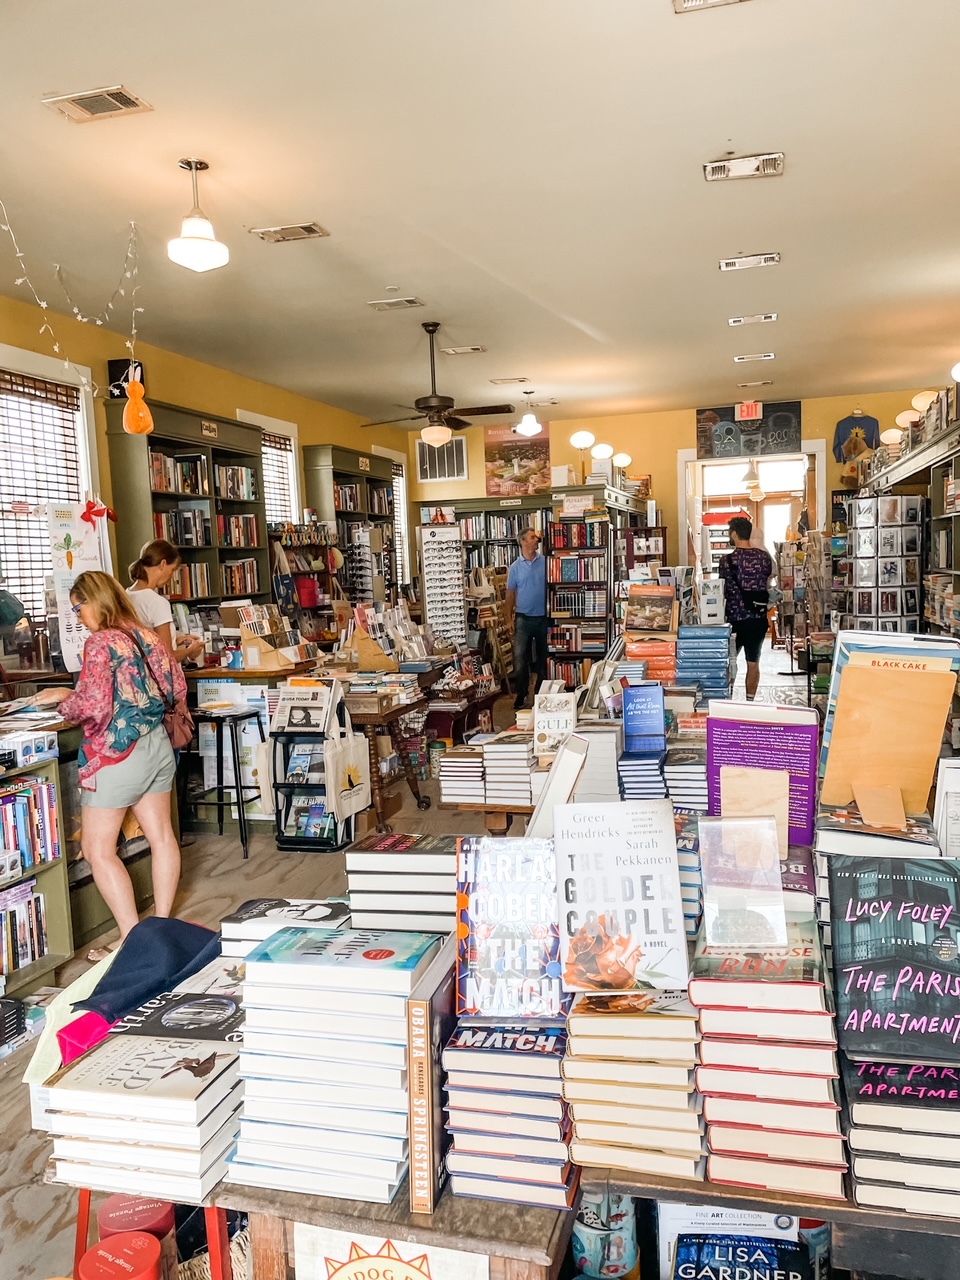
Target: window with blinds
pixel 401 523
pixel 449 462
pixel 39 463
pixel 278 464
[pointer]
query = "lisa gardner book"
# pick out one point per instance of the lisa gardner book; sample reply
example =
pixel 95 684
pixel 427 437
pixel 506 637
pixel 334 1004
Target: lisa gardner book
pixel 621 911
pixel 894 923
pixel 508 944
pixel 718 1257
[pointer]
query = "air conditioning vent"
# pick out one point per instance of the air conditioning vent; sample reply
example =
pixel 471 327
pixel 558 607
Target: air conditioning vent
pixel 751 260
pixel 542 404
pixel 765 166
pixel 763 317
pixel 763 382
pixel 691 6
pixel 295 231
pixel 395 304
pixel 767 355
pixel 97 104
pixel 507 382
pixel 462 351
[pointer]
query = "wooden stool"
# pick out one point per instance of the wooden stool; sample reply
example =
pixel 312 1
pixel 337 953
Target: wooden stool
pixel 218 1241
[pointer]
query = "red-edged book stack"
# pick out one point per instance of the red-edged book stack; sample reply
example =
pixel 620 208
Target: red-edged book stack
pixel 768 1065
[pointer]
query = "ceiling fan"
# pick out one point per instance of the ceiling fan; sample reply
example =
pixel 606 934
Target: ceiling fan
pixel 439 411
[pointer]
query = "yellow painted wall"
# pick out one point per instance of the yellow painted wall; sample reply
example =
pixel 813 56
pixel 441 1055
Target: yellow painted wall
pixel 180 381
pixel 652 440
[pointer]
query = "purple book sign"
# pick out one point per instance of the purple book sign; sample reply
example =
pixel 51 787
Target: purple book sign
pixel 764 744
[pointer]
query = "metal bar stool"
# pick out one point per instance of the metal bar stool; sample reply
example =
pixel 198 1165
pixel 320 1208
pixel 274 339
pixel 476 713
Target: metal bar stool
pixel 233 720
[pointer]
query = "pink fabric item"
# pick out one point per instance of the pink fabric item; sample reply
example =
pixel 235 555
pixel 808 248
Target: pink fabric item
pixel 82 1034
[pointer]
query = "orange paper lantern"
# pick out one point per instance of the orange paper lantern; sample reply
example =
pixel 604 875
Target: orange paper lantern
pixel 137 418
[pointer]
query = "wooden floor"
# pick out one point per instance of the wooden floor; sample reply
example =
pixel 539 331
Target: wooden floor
pixel 37 1220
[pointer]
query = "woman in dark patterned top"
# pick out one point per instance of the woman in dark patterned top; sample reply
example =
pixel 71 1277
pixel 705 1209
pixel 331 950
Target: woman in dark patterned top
pixel 745 573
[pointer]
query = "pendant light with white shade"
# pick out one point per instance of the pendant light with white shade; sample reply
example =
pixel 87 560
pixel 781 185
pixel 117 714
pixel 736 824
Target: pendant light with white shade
pixel 528 424
pixel 437 434
pixel 196 247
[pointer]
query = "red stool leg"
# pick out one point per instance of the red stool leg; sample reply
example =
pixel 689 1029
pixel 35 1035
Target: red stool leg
pixel 83 1228
pixel 218 1242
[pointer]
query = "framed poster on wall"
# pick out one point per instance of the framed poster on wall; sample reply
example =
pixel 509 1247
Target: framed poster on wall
pixel 516 465
pixel 719 435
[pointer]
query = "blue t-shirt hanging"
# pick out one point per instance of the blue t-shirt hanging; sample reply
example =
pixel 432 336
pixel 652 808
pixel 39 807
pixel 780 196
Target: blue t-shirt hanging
pixel 855 424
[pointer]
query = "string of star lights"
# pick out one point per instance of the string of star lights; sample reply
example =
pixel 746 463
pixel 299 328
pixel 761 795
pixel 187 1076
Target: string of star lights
pixel 130 272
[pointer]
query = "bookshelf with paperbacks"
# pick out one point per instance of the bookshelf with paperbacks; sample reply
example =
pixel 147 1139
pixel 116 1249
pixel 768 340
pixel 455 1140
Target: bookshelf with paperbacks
pixel 197 481
pixel 51 882
pixel 356 491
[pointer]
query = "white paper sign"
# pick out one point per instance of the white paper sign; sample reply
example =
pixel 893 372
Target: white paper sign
pixel 322 1254
pixel 75 548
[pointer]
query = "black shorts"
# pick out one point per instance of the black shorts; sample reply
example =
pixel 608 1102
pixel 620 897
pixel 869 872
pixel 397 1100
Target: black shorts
pixel 750 635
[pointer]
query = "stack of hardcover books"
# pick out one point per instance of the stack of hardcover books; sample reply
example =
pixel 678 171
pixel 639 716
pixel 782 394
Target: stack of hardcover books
pixel 403 882
pixel 768 1064
pixel 150 1115
pixel 703 658
pixel 461 776
pixel 508 760
pixel 897 980
pixel 325 1059
pixel 260 918
pixel 628 1080
pixel 641 775
pixel 632 670
pixel 598 782
pixel 685 773
pixel 687 824
pixel 509 1125
pixel 508 1122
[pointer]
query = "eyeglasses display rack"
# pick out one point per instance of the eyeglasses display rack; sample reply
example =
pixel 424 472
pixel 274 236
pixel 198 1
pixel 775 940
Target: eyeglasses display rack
pixel 444 601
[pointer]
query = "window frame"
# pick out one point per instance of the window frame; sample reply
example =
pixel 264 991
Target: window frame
pixel 279 427
pixel 457 479
pixel 33 364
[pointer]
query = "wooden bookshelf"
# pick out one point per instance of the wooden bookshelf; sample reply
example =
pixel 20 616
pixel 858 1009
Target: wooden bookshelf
pixel 228 500
pixel 356 491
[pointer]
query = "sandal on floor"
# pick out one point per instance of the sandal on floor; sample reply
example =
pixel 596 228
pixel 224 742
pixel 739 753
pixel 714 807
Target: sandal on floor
pixel 96 954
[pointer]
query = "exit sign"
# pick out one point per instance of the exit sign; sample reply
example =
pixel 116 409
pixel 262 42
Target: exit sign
pixel 749 411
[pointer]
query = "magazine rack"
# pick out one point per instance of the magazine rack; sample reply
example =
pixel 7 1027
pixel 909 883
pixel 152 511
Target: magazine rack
pixel 286 791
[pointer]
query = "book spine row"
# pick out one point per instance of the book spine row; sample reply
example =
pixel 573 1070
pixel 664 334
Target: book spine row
pixel 238 531
pixel 189 582
pixel 237 482
pixel 590 602
pixel 472 528
pixel 183 528
pixel 240 577
pixel 510 526
pixel 569 671
pixel 346 497
pixel 178 475
pixel 29 822
pixel 571 638
pixel 23 927
pixel 572 569
pixel 571 537
pixel 381 500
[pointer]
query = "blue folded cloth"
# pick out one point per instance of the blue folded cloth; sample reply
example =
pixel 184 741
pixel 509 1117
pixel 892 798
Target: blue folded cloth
pixel 156 955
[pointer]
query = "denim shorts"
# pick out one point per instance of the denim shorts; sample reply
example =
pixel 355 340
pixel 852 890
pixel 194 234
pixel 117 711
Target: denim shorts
pixel 149 767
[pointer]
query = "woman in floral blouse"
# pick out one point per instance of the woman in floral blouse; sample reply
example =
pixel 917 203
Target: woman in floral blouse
pixel 126 761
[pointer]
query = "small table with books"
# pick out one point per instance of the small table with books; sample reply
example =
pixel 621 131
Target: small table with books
pixel 389 720
pixel 492 1240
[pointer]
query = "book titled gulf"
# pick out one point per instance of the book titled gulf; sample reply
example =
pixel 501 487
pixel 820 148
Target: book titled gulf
pixel 718 1257
pixel 346 959
pixel 508 957
pixel 897 972
pixel 621 910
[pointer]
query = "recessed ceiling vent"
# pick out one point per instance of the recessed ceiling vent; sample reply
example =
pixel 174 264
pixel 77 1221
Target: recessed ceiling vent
pixel 751 260
pixel 395 304
pixel 462 351
pixel 295 231
pixel 765 355
pixel 507 382
pixel 97 104
pixel 765 166
pixel 542 404
pixel 762 317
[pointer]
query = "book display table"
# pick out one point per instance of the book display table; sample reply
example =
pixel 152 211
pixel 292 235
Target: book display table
pixel 389 720
pixel 911 1246
pixel 456 722
pixel 497 818
pixel 520 1243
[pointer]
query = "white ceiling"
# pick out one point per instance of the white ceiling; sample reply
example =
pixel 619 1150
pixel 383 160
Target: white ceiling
pixel 531 170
